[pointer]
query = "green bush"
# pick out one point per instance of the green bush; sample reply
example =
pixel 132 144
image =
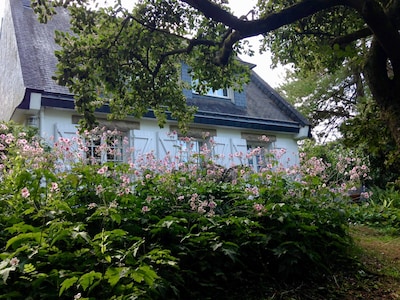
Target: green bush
pixel 381 210
pixel 151 230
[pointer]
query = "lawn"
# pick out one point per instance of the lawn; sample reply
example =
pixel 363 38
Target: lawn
pixel 374 276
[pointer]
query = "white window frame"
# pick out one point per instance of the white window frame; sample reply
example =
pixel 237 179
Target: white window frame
pixel 219 93
pixel 259 161
pixel 95 151
pixel 189 147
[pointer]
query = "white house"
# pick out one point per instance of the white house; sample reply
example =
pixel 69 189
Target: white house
pixel 235 121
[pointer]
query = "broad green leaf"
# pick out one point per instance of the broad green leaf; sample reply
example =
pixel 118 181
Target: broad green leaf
pixel 37 236
pixel 67 283
pixel 113 275
pixel 149 275
pixel 88 279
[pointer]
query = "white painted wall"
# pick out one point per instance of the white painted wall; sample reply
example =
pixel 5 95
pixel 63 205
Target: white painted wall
pixel 228 139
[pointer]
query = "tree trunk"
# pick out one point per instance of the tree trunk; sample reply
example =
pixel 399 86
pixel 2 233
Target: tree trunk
pixel 384 84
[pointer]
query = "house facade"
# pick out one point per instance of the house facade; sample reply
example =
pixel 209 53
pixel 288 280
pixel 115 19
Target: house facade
pixel 235 122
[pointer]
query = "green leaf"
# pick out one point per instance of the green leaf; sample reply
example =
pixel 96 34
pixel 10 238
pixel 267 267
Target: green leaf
pixel 116 217
pixel 67 283
pixel 113 275
pixel 137 276
pixel 87 279
pixel 29 210
pixel 148 274
pixel 37 236
pixel 29 268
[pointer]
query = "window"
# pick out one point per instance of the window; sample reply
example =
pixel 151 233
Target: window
pixel 223 93
pixel 258 150
pixel 192 150
pixel 258 156
pixel 226 93
pixel 108 147
pixel 194 144
pixel 93 151
pixel 115 151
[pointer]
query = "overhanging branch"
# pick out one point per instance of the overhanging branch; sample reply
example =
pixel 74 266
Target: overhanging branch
pixel 243 29
pixel 349 38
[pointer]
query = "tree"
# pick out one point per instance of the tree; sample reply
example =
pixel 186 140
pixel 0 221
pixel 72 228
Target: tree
pixel 327 99
pixel 378 145
pixel 129 56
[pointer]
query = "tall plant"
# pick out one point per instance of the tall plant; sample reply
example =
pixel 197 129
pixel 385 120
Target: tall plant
pixel 161 229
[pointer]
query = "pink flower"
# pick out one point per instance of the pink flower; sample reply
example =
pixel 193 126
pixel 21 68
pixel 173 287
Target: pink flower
pixel 212 204
pixel 365 195
pixel 258 207
pixel 92 205
pixel 145 209
pixel 99 189
pixel 54 187
pixel 113 204
pixel 102 170
pixel 14 261
pixel 25 193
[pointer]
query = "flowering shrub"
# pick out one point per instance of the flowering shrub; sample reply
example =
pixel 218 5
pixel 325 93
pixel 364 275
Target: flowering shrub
pixel 146 229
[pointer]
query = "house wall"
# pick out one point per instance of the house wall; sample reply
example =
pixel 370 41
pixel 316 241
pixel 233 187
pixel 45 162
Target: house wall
pixel 12 88
pixel 149 137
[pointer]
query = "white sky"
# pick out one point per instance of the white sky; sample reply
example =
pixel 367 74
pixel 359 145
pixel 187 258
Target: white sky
pixel 241 7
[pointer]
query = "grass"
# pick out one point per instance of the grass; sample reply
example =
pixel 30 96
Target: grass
pixel 379 254
pixel 375 274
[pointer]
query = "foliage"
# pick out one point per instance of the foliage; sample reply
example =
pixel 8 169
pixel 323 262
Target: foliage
pixel 342 164
pixel 131 61
pixel 381 210
pixel 162 229
pixel 378 144
pixel 326 98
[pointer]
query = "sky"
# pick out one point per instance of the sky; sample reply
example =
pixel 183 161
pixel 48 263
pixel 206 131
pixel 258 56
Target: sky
pixel 273 77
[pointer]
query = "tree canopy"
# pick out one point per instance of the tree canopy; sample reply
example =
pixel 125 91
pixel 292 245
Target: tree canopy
pixel 130 59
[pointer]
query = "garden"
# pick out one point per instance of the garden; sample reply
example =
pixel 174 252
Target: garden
pixel 72 228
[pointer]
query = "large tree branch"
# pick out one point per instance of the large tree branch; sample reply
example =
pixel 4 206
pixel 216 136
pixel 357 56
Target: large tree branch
pixel 379 22
pixel 382 26
pixel 266 24
pixel 349 38
pixel 243 28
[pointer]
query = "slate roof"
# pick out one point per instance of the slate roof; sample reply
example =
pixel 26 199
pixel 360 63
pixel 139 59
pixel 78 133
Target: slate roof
pixel 36 47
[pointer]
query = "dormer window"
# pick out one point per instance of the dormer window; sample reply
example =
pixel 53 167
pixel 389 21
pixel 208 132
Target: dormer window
pixel 225 93
pixel 222 93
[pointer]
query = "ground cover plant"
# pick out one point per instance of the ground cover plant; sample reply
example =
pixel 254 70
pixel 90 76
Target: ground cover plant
pixel 72 228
